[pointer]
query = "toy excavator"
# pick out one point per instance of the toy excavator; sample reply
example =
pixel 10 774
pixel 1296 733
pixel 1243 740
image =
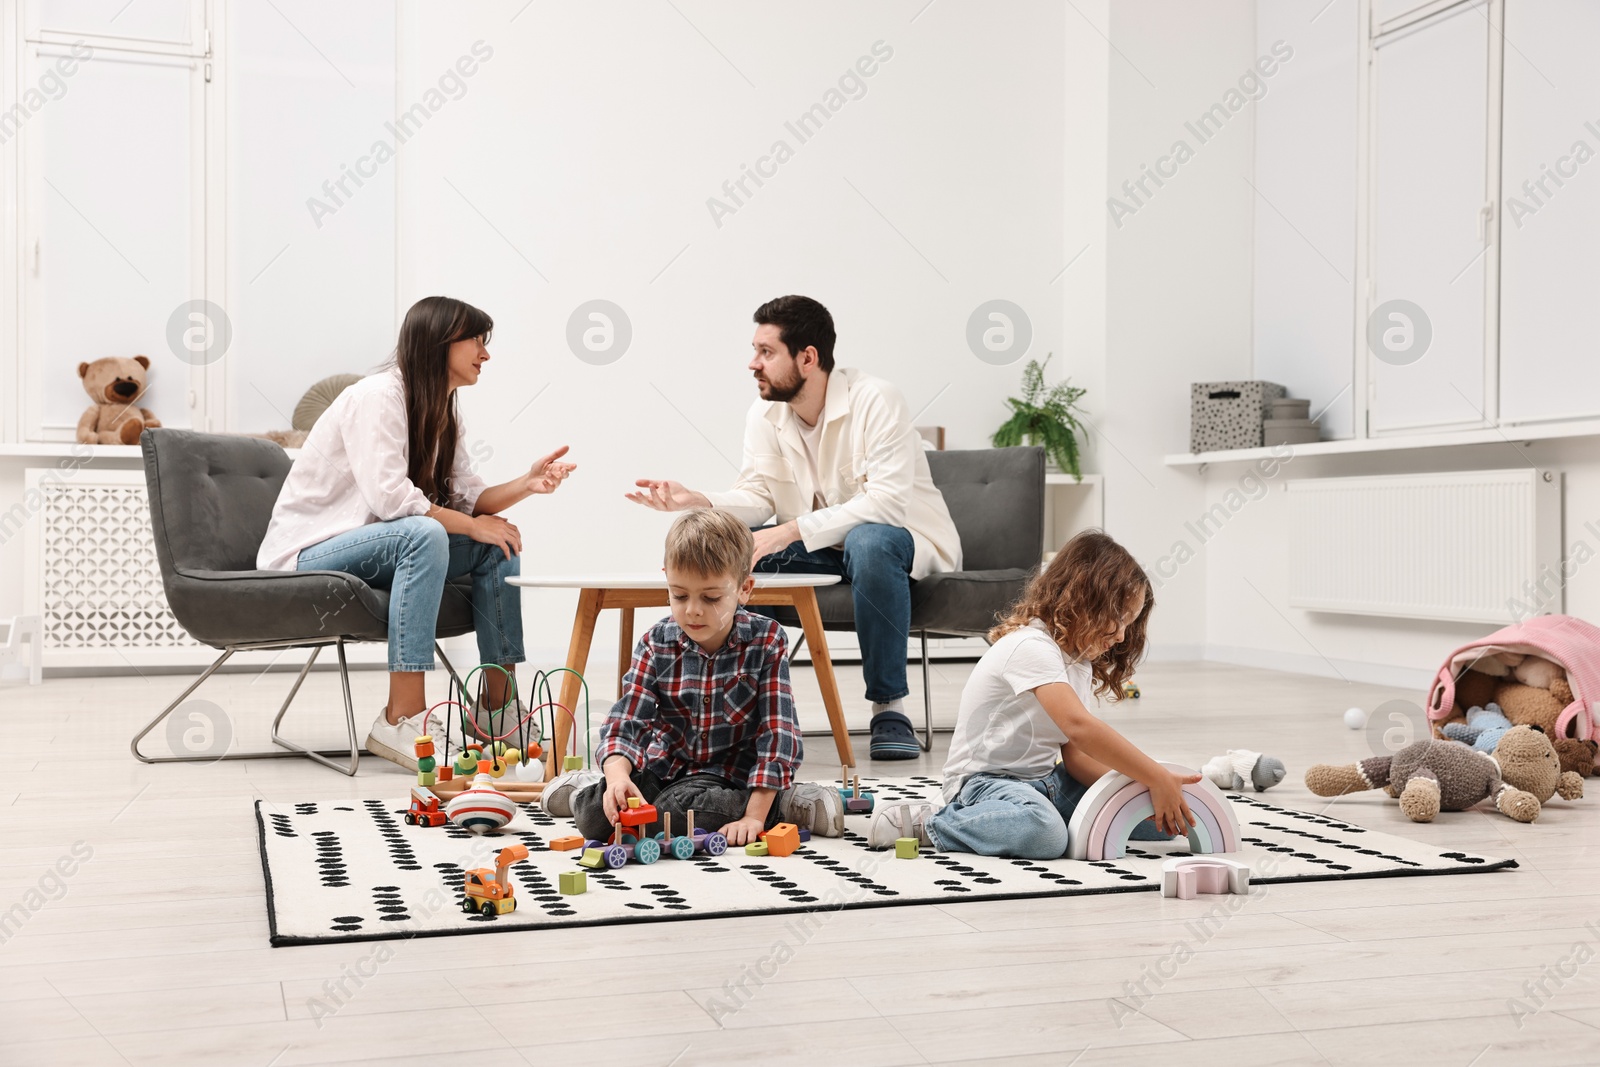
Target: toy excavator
pixel 491 892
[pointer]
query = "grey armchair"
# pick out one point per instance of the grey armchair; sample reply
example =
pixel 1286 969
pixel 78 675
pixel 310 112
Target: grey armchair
pixel 996 497
pixel 211 497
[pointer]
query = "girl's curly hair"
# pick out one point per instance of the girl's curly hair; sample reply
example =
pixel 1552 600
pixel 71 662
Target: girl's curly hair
pixel 1081 596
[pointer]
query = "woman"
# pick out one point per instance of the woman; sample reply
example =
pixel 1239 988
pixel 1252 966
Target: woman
pixel 384 490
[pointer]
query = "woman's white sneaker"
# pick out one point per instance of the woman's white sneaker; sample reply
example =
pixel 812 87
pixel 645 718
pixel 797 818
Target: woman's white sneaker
pixel 396 742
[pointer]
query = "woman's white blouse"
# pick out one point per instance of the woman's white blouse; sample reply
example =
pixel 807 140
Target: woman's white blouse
pixel 351 472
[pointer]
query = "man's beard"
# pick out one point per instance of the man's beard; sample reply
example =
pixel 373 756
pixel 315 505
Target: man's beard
pixel 783 392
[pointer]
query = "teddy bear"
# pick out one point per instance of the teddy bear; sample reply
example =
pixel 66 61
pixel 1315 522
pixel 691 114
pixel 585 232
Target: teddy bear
pixel 1483 729
pixel 1577 755
pixel 1239 765
pixel 1538 671
pixel 1431 776
pixel 115 384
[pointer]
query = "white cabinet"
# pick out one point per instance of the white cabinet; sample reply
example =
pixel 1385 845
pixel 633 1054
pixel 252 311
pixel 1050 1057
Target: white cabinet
pixel 1431 229
pixel 1549 318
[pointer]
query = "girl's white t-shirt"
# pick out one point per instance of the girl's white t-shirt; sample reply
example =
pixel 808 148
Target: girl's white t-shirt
pixel 352 472
pixel 1001 727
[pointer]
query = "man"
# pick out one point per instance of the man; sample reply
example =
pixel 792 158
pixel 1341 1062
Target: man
pixel 832 456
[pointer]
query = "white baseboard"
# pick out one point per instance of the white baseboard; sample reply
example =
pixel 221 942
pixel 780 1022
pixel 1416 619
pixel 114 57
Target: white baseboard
pixel 1417 678
pixel 1174 653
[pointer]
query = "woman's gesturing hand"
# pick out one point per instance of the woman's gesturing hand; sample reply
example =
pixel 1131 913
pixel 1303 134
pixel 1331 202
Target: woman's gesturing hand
pixel 547 475
pixel 493 530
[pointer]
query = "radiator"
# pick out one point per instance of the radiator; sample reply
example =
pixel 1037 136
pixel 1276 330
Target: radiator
pixel 1472 546
pixel 92 572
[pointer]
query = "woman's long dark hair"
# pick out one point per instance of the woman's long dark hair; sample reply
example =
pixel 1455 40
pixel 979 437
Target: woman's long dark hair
pixel 432 325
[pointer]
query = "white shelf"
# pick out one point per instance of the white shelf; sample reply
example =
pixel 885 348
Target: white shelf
pixel 68 450
pixel 1399 443
pixel 71 449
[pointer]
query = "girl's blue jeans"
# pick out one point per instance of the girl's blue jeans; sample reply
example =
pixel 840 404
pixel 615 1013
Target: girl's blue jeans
pixel 412 558
pixel 998 816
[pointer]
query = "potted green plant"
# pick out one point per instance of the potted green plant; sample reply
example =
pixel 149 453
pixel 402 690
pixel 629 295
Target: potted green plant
pixel 1047 417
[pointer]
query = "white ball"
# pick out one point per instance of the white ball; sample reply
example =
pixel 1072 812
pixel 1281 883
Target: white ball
pixel 1355 718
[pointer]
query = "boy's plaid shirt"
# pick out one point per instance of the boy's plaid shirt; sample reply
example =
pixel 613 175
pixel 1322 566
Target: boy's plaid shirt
pixel 730 713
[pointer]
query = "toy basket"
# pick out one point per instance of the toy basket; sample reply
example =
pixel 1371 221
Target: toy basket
pixel 1571 644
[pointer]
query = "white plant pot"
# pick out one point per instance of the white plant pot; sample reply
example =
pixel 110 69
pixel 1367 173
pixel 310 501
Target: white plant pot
pixel 1050 465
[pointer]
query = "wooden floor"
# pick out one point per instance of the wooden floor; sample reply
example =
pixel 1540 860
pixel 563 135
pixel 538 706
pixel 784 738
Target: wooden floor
pixel 154 950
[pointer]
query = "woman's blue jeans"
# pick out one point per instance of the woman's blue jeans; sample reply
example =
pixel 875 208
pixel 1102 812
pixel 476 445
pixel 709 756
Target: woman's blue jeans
pixel 412 558
pixel 876 560
pixel 998 816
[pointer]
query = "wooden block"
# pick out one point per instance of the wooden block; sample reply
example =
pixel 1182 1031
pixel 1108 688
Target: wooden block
pixel 592 857
pixel 782 839
pixel 1185 876
pixel 566 844
pixel 756 848
pixel 907 848
pixel 572 763
pixel 635 802
pixel 573 882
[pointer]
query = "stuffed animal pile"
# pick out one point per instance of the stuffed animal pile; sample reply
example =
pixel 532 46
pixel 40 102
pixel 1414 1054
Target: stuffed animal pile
pixel 1431 776
pixel 1506 689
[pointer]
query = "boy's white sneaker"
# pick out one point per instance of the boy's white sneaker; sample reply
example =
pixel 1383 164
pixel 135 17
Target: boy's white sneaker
pixel 559 791
pixel 813 807
pixel 396 742
pixel 897 819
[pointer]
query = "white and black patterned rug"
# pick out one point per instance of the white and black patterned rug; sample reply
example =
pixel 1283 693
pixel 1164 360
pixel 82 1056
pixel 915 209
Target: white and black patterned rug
pixel 354 871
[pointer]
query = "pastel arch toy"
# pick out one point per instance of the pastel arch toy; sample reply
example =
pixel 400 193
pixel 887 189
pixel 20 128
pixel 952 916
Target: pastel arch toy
pixel 1115 804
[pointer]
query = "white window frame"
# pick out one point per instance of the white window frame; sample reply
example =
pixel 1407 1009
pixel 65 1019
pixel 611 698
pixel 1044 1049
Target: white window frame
pixel 22 40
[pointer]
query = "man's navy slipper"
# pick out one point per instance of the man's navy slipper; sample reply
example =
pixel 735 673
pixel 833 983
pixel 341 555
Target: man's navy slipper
pixel 893 737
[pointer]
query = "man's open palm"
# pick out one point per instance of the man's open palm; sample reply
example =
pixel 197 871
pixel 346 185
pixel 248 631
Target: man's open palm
pixel 667 496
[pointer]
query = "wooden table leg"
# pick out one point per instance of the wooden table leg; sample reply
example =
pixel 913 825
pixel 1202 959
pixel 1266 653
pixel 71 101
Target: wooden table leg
pixel 589 602
pixel 624 647
pixel 805 604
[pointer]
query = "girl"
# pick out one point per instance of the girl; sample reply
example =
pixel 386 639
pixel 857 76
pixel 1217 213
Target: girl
pixel 1080 623
pixel 383 489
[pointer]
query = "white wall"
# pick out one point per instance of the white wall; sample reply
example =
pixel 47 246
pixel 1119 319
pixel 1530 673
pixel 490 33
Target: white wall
pixel 1305 206
pixel 1178 281
pixel 578 163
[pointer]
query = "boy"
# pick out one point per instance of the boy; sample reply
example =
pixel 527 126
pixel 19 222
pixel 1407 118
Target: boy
pixel 706 718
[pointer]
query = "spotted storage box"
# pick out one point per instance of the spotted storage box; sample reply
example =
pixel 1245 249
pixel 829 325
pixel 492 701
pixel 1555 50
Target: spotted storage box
pixel 1224 415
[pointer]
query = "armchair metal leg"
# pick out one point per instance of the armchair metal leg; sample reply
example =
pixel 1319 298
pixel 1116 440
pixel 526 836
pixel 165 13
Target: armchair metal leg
pixel 353 756
pixel 927 698
pixel 455 678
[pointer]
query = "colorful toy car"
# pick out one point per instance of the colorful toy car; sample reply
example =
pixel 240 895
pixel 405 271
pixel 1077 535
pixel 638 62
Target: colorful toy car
pixel 1130 690
pixel 625 846
pixel 684 846
pixel 425 809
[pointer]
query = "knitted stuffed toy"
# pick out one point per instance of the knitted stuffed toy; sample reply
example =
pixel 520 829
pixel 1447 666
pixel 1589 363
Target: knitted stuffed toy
pixel 1483 729
pixel 1239 765
pixel 1432 776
